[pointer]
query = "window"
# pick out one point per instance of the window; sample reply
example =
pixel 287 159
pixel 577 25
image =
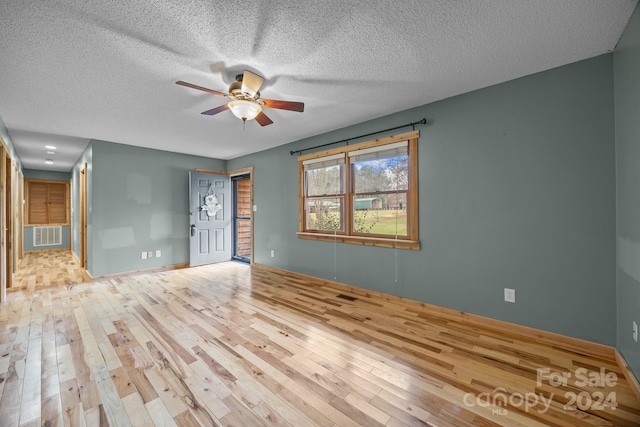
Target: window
pixel 47 202
pixel 363 194
pixel 324 179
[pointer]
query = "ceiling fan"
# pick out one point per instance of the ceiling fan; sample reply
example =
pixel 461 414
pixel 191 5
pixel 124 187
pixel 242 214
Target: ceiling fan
pixel 245 101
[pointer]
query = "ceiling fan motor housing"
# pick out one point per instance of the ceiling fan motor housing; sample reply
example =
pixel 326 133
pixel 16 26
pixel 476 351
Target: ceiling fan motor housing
pixel 235 90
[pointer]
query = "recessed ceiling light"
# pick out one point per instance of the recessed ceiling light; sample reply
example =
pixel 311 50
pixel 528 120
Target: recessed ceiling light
pixel 49 161
pixel 50 147
pixel 51 152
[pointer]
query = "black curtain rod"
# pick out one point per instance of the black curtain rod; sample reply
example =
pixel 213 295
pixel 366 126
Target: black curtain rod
pixel 421 122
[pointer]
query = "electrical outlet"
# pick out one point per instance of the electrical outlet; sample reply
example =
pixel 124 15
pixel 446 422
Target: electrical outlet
pixel 150 254
pixel 255 208
pixel 509 295
pixel 158 253
pixel 635 331
pixel 143 255
pixel 273 253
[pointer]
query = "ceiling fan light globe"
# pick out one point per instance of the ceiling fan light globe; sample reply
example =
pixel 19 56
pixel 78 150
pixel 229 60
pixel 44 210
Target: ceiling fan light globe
pixel 243 109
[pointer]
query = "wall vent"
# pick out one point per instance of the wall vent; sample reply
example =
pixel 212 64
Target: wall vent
pixel 47 236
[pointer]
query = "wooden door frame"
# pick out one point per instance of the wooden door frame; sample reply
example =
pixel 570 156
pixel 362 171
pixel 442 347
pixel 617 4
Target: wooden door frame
pixel 83 216
pixel 231 174
pixel 5 221
pixel 18 213
pixel 3 269
pixel 8 224
pixel 244 177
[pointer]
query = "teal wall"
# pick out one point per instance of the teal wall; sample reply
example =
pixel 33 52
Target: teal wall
pixel 627 107
pixel 517 189
pixel 49 175
pixel 28 240
pixel 139 202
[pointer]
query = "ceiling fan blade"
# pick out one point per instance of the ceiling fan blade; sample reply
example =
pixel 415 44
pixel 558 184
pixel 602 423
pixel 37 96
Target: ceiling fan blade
pixel 283 105
pixel 251 83
pixel 216 110
pixel 191 85
pixel 263 119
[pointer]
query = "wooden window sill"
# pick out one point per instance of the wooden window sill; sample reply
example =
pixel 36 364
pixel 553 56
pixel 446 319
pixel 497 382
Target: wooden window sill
pixel 365 241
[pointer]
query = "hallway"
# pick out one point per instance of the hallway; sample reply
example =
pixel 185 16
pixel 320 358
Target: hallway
pixel 48 268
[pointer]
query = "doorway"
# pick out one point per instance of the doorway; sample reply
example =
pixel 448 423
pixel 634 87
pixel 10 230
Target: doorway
pixel 221 219
pixel 18 252
pixel 242 209
pixel 83 216
pixel 8 220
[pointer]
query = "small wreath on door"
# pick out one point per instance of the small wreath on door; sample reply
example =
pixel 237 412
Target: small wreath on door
pixel 211 205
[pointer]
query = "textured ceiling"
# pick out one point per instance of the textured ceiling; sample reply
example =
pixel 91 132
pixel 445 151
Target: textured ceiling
pixel 75 70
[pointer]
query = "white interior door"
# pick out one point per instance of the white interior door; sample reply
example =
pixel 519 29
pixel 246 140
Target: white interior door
pixel 210 215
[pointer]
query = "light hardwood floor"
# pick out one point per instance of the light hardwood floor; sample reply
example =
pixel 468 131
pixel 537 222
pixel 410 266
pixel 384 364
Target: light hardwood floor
pixel 231 345
pixel 46 268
